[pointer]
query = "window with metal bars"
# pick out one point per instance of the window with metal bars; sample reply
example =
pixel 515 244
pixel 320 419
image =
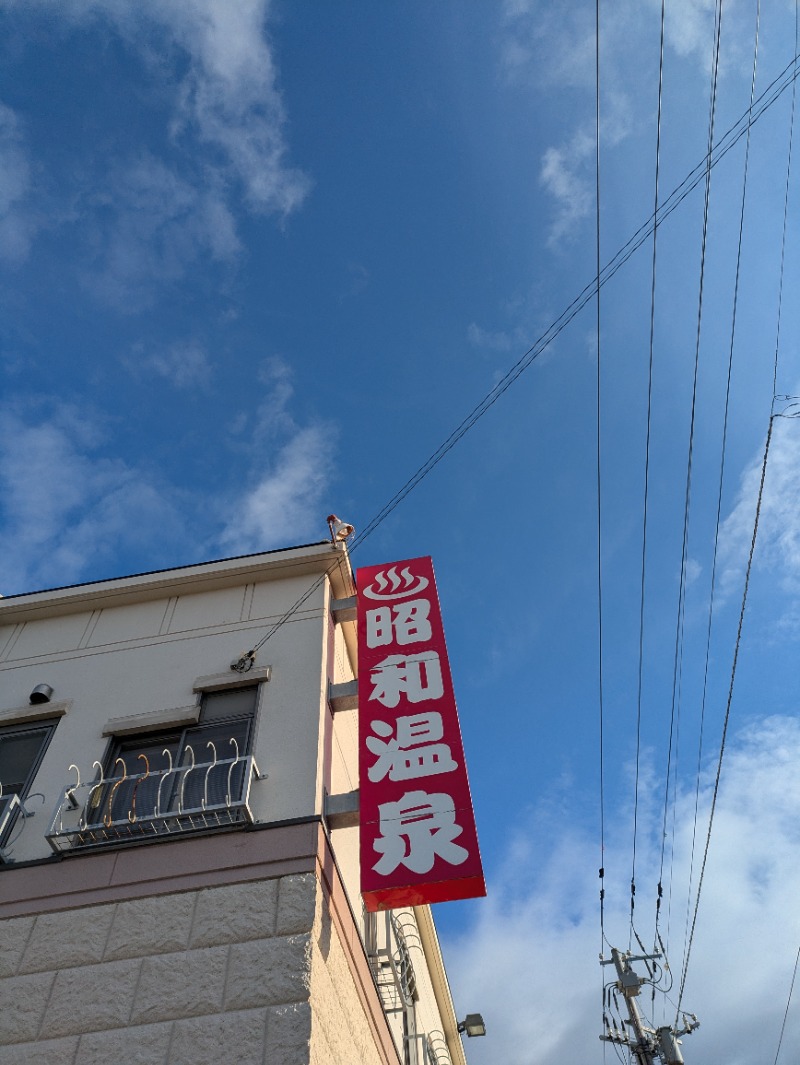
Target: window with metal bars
pixel 178 770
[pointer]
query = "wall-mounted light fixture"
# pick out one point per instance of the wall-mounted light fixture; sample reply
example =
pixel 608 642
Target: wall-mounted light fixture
pixel 472 1025
pixel 42 693
pixel 340 530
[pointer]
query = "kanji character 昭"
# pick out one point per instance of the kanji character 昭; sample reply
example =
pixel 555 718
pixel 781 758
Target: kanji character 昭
pixel 402 623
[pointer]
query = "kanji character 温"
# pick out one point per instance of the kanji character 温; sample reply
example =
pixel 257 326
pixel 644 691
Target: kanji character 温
pixel 414 752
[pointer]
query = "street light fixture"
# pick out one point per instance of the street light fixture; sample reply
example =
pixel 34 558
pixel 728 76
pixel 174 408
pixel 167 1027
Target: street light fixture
pixel 472 1025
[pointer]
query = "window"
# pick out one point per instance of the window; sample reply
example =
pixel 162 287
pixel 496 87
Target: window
pixel 22 748
pixel 178 772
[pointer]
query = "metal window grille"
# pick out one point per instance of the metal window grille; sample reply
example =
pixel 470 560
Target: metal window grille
pixel 191 797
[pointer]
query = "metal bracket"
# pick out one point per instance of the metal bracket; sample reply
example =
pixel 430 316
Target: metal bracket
pixel 344 609
pixel 343 696
pixel 342 811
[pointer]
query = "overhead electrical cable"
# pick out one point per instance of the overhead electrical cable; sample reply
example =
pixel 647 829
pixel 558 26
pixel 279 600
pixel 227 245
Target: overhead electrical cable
pixel 785 210
pixel 726 721
pixel 647 453
pixel 598 469
pixel 786 1011
pixel 723 452
pixel 679 628
pixel 773 416
pixel 729 139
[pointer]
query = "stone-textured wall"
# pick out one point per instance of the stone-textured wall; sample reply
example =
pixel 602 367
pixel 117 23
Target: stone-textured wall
pixel 340 1033
pixel 219 976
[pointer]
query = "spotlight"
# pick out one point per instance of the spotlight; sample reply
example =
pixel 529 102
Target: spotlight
pixel 472 1025
pixel 340 530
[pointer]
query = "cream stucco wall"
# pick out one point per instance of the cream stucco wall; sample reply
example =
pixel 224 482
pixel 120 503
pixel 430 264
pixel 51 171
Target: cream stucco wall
pixel 113 660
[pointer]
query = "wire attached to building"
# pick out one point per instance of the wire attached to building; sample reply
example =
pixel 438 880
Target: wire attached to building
pixel 729 139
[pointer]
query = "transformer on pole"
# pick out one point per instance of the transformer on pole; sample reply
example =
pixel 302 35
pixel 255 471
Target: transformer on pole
pixel 648 1045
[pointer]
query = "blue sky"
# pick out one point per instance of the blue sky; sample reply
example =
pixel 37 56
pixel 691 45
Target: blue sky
pixel 258 260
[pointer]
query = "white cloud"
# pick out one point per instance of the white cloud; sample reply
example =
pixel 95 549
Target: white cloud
pixel 546 44
pixel 273 412
pixel 17 224
pixel 228 98
pixel 285 503
pixel 159 226
pixel 691 571
pixel 156 217
pixel 689 27
pixel 555 45
pixel 778 543
pixel 68 506
pixel 552 48
pixel 494 339
pixel 63 504
pixel 185 364
pixel 564 174
pixel 536 942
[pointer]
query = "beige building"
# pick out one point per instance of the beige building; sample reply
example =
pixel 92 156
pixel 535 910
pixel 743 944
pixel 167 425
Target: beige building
pixel 179 876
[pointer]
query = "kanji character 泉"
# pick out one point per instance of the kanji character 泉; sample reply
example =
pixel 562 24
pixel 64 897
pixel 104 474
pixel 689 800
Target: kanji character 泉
pixel 418 676
pixel 414 752
pixel 402 623
pixel 414 830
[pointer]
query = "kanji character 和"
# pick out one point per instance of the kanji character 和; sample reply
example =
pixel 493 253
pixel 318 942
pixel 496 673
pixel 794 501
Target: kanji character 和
pixel 418 676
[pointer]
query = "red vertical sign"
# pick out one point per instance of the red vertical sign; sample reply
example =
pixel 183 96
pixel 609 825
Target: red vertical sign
pixel 418 839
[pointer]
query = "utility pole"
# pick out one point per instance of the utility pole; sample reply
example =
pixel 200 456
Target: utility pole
pixel 647 1044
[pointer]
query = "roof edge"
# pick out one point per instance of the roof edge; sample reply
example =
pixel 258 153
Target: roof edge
pixel 322 558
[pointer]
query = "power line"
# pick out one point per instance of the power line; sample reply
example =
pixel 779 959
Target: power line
pixel 723 451
pixel 679 629
pixel 786 1011
pixel 727 711
pixel 598 467
pixel 730 138
pixel 647 452
pixel 785 214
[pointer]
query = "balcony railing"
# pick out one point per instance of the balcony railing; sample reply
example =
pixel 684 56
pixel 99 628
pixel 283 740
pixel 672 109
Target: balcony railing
pixel 160 804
